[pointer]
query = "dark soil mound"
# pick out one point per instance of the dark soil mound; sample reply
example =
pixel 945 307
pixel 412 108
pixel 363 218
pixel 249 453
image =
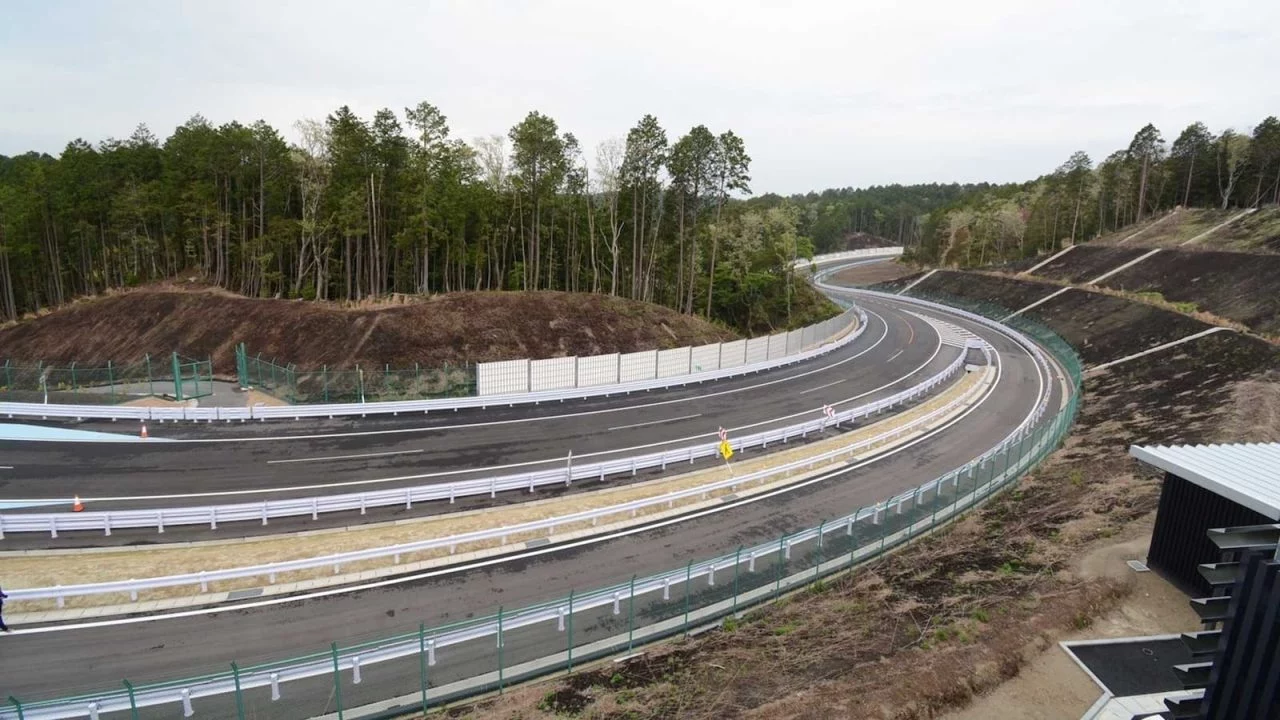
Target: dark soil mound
pixel 1241 287
pixel 454 328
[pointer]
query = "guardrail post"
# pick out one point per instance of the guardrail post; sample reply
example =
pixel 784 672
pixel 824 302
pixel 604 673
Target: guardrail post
pixel 17 706
pixel 777 582
pixel 688 577
pixel 133 701
pixel 337 678
pixel 501 678
pixel 737 562
pixel 569 619
pixel 568 469
pixel 818 566
pixel 631 615
pixel 235 674
pixel 422 663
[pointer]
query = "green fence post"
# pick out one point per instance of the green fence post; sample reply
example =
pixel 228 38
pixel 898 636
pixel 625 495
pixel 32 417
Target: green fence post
pixel 422 663
pixel 133 701
pixel 818 566
pixel 274 387
pixel 177 376
pixel 737 563
pixel 360 381
pixel 324 378
pixel 631 615
pixel 777 583
pixel 500 674
pixel 111 379
pixel 688 577
pixel 8 374
pixel 242 366
pixel 337 678
pixel 75 389
pixel 235 673
pixel 570 621
pixel 17 705
pixel 258 364
pixel 151 385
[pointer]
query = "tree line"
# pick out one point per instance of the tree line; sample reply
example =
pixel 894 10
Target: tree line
pixel 364 207
pixel 1079 201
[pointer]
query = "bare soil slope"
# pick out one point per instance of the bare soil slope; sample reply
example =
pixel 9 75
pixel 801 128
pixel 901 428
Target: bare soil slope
pixel 928 629
pixel 453 328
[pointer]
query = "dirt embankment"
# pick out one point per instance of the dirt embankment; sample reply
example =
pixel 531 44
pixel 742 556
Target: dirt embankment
pixel 931 628
pixel 872 273
pixel 1254 232
pixel 454 328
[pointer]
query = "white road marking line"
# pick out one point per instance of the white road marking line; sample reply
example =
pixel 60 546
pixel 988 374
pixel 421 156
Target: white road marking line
pixel 657 422
pixel 891 357
pixel 464 426
pixel 213 610
pixel 374 481
pixel 344 457
pixel 6 467
pixel 837 382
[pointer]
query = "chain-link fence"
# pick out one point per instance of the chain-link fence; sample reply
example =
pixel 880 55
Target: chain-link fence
pixel 437 664
pixel 105 383
pixel 372 383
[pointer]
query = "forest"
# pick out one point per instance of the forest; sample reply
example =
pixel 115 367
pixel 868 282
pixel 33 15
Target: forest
pixel 1079 200
pixel 363 208
pixel 360 208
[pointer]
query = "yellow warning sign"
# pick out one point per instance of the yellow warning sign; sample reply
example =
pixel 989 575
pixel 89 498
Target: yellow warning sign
pixel 725 450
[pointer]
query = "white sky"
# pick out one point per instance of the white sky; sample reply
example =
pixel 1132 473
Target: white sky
pixel 825 94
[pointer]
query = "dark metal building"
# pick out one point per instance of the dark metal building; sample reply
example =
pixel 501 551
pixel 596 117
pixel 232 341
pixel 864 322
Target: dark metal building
pixel 1207 486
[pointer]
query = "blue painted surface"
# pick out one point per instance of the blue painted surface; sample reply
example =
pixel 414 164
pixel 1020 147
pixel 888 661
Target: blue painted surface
pixel 19 431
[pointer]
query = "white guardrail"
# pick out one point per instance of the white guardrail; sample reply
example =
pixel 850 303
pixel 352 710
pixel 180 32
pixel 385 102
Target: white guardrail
pixel 186 691
pixel 572 378
pixel 337 560
pixel 107 520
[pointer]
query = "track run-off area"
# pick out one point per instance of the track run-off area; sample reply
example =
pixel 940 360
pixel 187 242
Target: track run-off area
pixel 903 343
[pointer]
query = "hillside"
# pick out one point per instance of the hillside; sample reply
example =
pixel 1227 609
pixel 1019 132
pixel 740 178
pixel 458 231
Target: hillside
pixel 452 328
pixel 1200 228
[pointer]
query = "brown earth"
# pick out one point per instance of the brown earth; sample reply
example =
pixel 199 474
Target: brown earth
pixel 929 629
pixel 872 273
pixel 203 322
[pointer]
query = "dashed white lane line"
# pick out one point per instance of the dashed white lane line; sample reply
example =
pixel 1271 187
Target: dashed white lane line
pixel 891 357
pixel 656 422
pixel 344 457
pixel 820 387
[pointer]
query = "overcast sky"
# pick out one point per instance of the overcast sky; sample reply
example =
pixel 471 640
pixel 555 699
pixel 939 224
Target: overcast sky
pixel 825 94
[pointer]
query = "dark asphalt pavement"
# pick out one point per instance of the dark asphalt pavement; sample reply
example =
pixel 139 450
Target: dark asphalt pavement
pixel 222 465
pixel 95 657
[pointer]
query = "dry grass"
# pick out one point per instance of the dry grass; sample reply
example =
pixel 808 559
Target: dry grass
pixel 1254 412
pixel 48 569
pixel 199 321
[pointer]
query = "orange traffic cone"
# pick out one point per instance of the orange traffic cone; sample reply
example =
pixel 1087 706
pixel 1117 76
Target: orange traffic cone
pixel 144 431
pixel 77 506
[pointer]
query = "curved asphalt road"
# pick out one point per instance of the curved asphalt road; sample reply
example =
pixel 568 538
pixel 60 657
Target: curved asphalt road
pixel 244 463
pixel 56 661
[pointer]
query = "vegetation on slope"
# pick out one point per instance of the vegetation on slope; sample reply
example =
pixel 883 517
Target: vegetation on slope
pixel 453 328
pixel 364 208
pixel 1079 201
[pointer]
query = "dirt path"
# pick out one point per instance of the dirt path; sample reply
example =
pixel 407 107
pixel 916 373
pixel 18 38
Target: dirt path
pixel 1053 687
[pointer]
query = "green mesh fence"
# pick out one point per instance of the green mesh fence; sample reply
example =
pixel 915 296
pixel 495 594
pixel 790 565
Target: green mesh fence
pixel 433 665
pixel 105 383
pixel 373 383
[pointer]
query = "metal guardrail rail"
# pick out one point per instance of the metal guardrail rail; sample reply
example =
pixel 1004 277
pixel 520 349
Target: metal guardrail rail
pixel 896 520
pixel 160 518
pixel 850 329
pixel 337 560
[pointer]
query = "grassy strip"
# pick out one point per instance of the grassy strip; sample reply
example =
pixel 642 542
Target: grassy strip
pixel 67 568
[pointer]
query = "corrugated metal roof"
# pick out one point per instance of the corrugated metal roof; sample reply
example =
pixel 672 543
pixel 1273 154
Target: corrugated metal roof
pixel 1248 474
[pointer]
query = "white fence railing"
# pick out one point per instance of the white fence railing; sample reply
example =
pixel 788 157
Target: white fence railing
pixel 516 382
pixel 349 662
pixel 108 520
pixel 452 542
